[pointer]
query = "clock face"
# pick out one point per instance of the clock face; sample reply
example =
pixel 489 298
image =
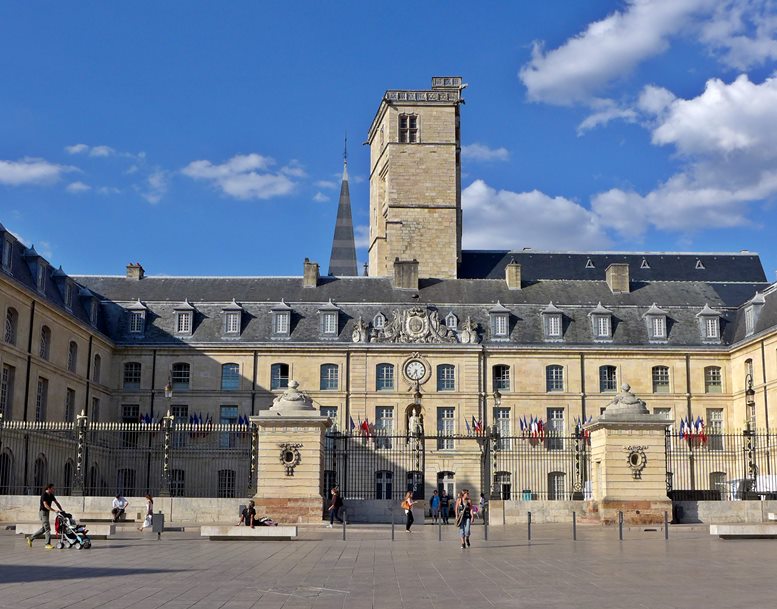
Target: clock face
pixel 415 370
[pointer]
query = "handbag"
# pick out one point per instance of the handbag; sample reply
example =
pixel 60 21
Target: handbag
pixel 405 505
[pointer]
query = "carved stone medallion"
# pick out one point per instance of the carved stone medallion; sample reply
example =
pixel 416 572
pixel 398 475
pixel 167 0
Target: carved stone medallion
pixel 290 457
pixel 637 460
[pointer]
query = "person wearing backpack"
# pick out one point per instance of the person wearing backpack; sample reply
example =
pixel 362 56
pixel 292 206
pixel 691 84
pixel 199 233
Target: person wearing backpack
pixel 407 505
pixel 334 507
pixel 445 506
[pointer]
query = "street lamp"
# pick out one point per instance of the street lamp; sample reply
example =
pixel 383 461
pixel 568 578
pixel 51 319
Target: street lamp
pixel 750 400
pixel 169 386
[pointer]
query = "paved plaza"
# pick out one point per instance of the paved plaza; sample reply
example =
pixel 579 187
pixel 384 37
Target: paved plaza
pixel 321 571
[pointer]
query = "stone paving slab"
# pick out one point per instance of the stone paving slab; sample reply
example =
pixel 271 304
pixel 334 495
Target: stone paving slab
pixel 369 571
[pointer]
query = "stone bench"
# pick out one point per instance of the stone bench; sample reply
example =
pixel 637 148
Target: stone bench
pixel 231 532
pixel 94 531
pixel 744 531
pixel 771 516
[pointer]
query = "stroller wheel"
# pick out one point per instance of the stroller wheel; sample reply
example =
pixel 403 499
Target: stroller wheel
pixel 60 545
pixel 87 544
pixel 79 545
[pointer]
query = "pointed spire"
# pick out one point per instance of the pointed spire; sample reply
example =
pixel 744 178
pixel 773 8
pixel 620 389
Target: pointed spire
pixel 342 261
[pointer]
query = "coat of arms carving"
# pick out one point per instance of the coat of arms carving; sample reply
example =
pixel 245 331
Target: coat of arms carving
pixel 414 325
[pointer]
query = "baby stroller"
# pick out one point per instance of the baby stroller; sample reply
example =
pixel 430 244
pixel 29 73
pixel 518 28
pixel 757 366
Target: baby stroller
pixel 70 532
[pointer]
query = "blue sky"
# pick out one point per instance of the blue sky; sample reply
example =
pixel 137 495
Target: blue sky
pixel 206 138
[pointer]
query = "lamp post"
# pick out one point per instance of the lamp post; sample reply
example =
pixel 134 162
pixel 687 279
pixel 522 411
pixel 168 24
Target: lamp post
pixel 167 427
pixel 752 467
pixel 750 400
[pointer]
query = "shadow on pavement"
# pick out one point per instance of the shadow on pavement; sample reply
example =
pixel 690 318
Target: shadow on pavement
pixel 11 574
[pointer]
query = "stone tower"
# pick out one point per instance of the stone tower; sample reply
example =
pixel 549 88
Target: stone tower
pixel 415 180
pixel 342 261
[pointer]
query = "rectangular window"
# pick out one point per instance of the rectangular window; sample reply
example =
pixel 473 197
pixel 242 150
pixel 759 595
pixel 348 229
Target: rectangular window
pixel 714 429
pixel 553 325
pixel 232 323
pixel 180 414
pixel 230 377
pixel 329 377
pixel 384 426
pixel 445 428
pixel 385 377
pixel 408 129
pixel 713 381
pixel 70 405
pixel 68 296
pixel 279 376
pixel 281 323
pixel 660 379
pixel 749 320
pixel 502 377
pixel 137 322
pixel 95 414
pixel 41 282
pixel 712 326
pixel 446 377
pixel 607 379
pixel 603 326
pixel 6 390
pixel 502 422
pixel 6 254
pixel 329 323
pixel 41 398
pixel 228 415
pixel 500 325
pixel 664 412
pixel 555 430
pixel 658 325
pixel 184 323
pixel 130 413
pixel 131 375
pixel 554 378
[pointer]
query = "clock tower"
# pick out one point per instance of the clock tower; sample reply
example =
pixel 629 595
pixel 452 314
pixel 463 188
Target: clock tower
pixel 415 180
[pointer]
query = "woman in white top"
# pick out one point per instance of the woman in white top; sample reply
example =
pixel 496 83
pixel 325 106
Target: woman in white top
pixel 149 513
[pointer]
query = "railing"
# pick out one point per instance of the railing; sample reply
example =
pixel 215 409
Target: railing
pixel 102 459
pixel 384 466
pixel 721 466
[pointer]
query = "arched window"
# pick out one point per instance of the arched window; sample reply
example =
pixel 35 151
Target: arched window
pixel 11 323
pixel 279 376
pixel 180 376
pixel 554 378
pixel 384 483
pixel 230 377
pixel 45 342
pixel 504 485
pixel 415 484
pixel 718 484
pixel 384 377
pixel 379 321
pixel 660 379
pixel 40 472
pixel 608 379
pixel 556 486
pixel 72 356
pixel 329 377
pixel 97 368
pixel 132 375
pixel 501 377
pixel 446 377
pixel 6 473
pixel 713 380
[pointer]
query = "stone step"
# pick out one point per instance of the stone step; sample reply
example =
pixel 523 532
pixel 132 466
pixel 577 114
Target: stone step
pixel 231 532
pixel 744 531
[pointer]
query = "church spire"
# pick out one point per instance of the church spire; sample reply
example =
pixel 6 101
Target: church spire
pixel 342 262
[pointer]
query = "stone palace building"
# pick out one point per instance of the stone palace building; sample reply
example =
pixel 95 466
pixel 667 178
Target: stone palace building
pixel 470 339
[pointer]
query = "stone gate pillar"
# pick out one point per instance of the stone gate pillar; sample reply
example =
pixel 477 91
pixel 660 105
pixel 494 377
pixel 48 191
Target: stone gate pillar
pixel 290 459
pixel 628 461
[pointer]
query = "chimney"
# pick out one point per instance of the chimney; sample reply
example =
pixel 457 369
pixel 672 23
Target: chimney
pixel 135 271
pixel 618 277
pixel 406 274
pixel 513 275
pixel 310 274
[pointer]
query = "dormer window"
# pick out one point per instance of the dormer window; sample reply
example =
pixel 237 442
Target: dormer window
pixel 451 321
pixel 7 251
pixel 233 317
pixel 408 129
pixel 184 318
pixel 749 320
pixel 601 322
pixel 552 322
pixel 93 310
pixel 281 320
pixel 69 288
pixel 752 312
pixel 709 323
pixel 656 323
pixel 499 317
pixel 379 321
pixel 41 278
pixel 329 314
pixel 137 318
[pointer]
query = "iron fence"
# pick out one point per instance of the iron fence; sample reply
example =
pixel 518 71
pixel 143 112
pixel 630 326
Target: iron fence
pixel 721 466
pixel 103 459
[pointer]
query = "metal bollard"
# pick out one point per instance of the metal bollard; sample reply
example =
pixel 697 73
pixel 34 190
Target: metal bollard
pixel 345 520
pixel 485 522
pixel 504 509
pixel 666 526
pixel 439 529
pixel 574 526
pixel 392 523
pixel 529 526
pixel 620 526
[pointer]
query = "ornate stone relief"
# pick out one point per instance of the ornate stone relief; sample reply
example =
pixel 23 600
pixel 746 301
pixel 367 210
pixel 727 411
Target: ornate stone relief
pixel 414 325
pixel 637 460
pixel 290 456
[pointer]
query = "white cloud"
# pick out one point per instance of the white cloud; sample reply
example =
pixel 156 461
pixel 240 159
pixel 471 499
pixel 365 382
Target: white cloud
pixel 77 187
pixel 320 197
pixel 108 190
pixel 743 33
pixel 31 171
pixel 294 169
pixel 242 176
pixel 361 236
pixel 507 220
pixel 328 184
pixel 608 49
pixel 606 111
pixel 481 152
pixel 76 149
pixel 102 151
pixel 155 186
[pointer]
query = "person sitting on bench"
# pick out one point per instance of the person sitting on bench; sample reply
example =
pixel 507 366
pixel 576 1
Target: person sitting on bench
pixel 119 506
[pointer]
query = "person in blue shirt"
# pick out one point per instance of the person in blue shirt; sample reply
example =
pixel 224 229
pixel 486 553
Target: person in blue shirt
pixel 434 504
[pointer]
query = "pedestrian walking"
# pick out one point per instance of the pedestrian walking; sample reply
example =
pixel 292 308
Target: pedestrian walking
pixel 407 505
pixel 445 506
pixel 434 504
pixel 47 501
pixel 482 507
pixel 335 503
pixel 149 519
pixel 463 510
